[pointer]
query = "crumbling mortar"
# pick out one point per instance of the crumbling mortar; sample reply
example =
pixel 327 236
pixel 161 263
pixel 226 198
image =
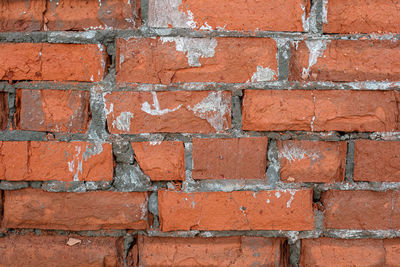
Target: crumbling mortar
pixel 294 258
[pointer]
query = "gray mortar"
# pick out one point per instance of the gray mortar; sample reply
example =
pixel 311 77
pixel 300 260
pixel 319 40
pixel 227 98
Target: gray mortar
pixel 123 152
pixel 273 168
pixel 130 178
pixel 294 258
pixel 349 162
pixel 237 113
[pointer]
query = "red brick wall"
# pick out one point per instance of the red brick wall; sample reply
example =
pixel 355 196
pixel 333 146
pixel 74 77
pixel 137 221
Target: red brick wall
pixel 199 133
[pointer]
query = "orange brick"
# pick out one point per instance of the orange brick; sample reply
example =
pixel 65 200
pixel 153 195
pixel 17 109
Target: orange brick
pixel 161 161
pixel 46 250
pixel 59 62
pixel 52 110
pixel 345 60
pixel 360 252
pixel 179 59
pixel 43 161
pixel 3 110
pixel 362 16
pixel 21 15
pixel 221 251
pixel 79 15
pixel 328 110
pixel 376 161
pixel 264 15
pixel 366 210
pixel 34 208
pixel 238 210
pixel 312 161
pixel 234 158
pixel 150 112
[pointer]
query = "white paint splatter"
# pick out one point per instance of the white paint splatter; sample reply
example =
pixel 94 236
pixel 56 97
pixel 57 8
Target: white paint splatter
pixel 214 108
pixel 263 74
pixel 123 121
pixel 316 49
pixel 292 153
pixel 305 20
pixel 75 166
pixel 292 193
pixel 325 11
pixel 156 111
pixel 194 48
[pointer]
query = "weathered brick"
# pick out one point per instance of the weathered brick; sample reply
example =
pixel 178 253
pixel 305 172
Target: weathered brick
pixel 221 251
pixel 51 250
pixel 21 15
pixel 43 161
pixel 367 210
pixel 168 60
pixel 264 15
pixel 52 110
pixel 179 111
pixel 234 158
pixel 376 161
pixel 237 210
pixel 328 110
pixel 161 161
pixel 3 110
pixel 362 16
pixel 59 62
pixel 34 208
pixel 345 60
pixel 341 252
pixel 312 161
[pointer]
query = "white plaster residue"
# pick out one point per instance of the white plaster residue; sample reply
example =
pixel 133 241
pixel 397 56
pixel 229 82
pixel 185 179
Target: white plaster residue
pixel 206 27
pixel 325 11
pixel 155 143
pixel 194 48
pixel 143 209
pixel 305 20
pixel 214 109
pixel 75 165
pixel 263 74
pixel 316 49
pixel 156 110
pixel 164 13
pixel 277 194
pixel 293 153
pixel 292 193
pixel 123 121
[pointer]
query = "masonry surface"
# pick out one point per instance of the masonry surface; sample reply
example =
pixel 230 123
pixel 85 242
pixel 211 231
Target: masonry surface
pixel 199 133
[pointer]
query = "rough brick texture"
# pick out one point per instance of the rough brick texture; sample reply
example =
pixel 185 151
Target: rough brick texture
pixel 376 161
pixel 345 60
pixel 312 161
pixel 161 160
pixel 59 62
pixel 231 15
pixel 3 110
pixel 168 60
pixel 53 110
pixel 201 112
pixel 362 16
pixel 34 208
pixel 50 250
pixel 43 161
pixel 238 210
pixel 361 210
pixel 222 251
pixel 242 158
pixel 280 110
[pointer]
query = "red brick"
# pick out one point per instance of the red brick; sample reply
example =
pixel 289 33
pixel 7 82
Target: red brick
pixel 3 111
pixel 328 110
pixel 238 210
pixel 88 15
pixel 345 60
pixel 221 251
pixel 367 210
pixel 360 252
pixel 60 62
pixel 234 158
pixel 230 15
pixel 46 250
pixel 376 161
pixel 53 110
pixel 362 16
pixel 34 208
pixel 161 161
pixel 179 59
pixel 21 15
pixel 43 161
pixel 149 112
pixel 312 161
